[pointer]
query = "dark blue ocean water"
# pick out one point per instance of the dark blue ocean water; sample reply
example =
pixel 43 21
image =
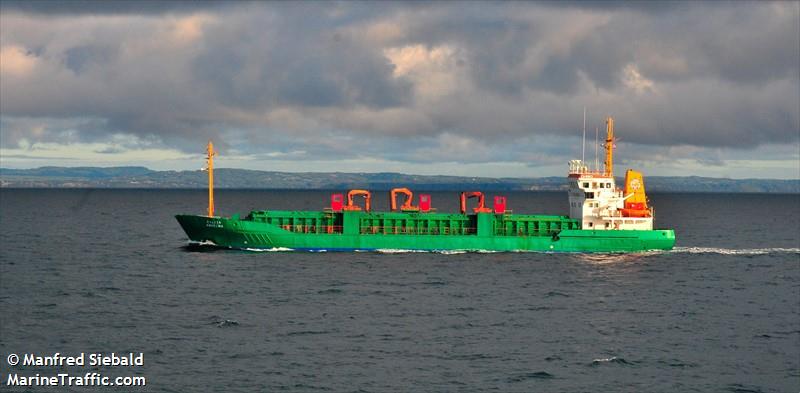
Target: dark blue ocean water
pixel 108 271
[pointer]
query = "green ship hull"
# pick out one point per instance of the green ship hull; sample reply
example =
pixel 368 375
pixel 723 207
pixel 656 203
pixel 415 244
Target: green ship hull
pixel 358 230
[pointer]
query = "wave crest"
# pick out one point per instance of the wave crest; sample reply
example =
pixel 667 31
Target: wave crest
pixel 403 251
pixel 274 249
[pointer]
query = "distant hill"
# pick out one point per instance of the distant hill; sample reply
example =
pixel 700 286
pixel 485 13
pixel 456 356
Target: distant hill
pixel 77 172
pixel 140 177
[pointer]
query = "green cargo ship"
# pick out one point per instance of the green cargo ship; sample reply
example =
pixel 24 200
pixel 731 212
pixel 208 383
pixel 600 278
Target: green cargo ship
pixel 603 218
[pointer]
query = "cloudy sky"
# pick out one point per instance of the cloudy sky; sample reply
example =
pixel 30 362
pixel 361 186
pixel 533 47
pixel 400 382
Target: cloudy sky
pixel 474 88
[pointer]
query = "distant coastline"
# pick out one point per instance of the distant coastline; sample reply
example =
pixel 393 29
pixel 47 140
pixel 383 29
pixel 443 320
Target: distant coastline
pixel 141 177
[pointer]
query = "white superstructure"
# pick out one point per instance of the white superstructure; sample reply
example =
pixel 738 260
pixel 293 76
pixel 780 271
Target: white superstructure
pixel 595 200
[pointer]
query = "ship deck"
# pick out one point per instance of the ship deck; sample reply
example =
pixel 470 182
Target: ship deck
pixel 413 223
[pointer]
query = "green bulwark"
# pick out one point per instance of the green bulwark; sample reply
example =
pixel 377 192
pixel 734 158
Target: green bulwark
pixel 358 230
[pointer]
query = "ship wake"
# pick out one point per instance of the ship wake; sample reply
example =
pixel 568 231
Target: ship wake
pixel 735 251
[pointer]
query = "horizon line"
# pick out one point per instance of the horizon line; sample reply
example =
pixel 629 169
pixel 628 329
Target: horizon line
pixel 383 172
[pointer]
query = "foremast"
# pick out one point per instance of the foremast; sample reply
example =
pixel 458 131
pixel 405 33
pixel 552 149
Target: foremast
pixel 210 169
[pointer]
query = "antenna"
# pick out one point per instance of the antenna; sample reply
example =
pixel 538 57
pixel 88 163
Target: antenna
pixel 596 162
pixel 583 151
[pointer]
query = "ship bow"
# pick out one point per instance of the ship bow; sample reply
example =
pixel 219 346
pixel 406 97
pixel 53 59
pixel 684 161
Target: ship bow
pixel 196 227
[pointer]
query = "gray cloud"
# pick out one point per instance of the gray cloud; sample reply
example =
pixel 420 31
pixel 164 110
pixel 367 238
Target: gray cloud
pixel 472 82
pixel 110 7
pixel 294 56
pixel 81 59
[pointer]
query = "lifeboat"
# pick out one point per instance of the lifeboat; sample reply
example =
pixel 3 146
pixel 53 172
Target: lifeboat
pixel 635 197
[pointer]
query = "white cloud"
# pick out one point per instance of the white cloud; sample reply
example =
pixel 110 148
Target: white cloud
pixel 15 61
pixel 188 29
pixel 633 79
pixel 435 72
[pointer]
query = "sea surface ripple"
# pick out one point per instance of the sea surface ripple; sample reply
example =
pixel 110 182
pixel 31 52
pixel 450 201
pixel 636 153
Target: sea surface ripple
pixel 110 271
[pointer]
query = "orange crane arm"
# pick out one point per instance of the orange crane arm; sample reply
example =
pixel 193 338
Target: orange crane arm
pixel 367 196
pixel 407 204
pixel 481 201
